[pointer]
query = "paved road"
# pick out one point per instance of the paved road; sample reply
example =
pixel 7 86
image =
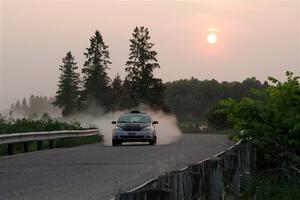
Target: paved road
pixel 96 171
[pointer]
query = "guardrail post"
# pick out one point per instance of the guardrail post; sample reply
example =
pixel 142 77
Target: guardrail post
pixel 196 172
pixel 252 157
pixel 39 145
pixel 51 144
pixel 215 178
pixel 10 149
pixel 25 147
pixel 231 174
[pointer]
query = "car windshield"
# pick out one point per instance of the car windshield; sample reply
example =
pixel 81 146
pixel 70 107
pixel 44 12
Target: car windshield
pixel 134 119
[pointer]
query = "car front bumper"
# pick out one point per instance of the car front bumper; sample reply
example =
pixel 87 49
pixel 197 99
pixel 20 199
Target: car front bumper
pixel 133 136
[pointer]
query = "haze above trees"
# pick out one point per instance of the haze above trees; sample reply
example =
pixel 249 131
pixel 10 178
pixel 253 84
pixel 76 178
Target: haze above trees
pixel 189 99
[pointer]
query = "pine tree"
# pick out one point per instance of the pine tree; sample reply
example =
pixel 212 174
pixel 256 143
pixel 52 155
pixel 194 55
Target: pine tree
pixel 24 106
pixel 95 78
pixel 12 107
pixel 18 105
pixel 140 83
pixel 68 94
pixel 31 101
pixel 116 93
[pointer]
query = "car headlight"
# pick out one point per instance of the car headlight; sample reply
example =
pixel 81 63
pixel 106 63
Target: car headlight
pixel 117 128
pixel 148 128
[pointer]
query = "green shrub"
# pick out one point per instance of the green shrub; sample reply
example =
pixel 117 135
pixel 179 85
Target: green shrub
pixel 30 125
pixel 273 124
pixel 271 188
pixel 218 119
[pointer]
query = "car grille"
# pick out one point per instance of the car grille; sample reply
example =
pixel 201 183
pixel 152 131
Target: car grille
pixel 131 136
pixel 132 128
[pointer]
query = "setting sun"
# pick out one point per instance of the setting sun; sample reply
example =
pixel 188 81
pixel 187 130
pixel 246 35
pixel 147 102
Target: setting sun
pixel 212 38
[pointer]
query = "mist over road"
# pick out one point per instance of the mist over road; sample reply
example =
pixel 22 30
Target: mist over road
pixel 97 171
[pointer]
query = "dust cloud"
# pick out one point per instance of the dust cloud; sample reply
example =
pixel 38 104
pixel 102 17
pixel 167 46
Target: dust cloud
pixel 167 130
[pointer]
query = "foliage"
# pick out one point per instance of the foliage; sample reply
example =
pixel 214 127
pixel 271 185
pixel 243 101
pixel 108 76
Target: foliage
pixel 9 125
pixel 116 98
pixel 190 99
pixel 271 187
pixel 95 78
pixel 140 85
pixel 67 95
pixel 273 123
pixel 217 119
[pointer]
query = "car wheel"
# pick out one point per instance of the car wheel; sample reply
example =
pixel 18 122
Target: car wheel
pixel 155 139
pixel 114 143
pixel 152 142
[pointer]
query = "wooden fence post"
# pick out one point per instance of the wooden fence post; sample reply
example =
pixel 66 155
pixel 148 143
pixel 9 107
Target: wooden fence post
pixel 252 151
pixel 180 185
pixel 245 159
pixel 231 174
pixel 215 178
pixel 197 177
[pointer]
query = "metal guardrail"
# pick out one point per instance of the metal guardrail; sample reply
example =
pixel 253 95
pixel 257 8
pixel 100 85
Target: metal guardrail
pixel 25 138
pixel 46 135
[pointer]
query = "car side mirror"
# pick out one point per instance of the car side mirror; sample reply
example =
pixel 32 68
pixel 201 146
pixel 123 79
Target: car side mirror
pixel 113 122
pixel 155 122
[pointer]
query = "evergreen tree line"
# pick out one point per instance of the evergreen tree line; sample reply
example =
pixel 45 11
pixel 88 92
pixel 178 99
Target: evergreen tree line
pixel 190 99
pixel 97 89
pixel 36 106
pixel 194 100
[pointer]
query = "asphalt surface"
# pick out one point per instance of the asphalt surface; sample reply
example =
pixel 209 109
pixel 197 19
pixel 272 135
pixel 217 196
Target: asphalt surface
pixel 94 172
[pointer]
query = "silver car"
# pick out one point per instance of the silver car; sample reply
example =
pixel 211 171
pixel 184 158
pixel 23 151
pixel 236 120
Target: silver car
pixel 135 126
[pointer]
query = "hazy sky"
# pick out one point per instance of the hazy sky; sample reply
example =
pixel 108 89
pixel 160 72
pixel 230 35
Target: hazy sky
pixel 255 38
